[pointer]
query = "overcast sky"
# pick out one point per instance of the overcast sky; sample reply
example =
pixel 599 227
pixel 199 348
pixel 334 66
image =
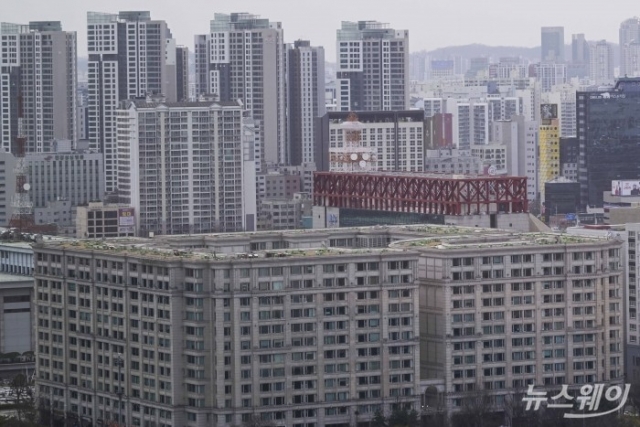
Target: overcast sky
pixel 431 23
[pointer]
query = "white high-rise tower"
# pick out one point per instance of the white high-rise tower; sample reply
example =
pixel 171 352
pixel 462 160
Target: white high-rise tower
pixel 373 67
pixel 130 56
pixel 38 79
pixel 243 58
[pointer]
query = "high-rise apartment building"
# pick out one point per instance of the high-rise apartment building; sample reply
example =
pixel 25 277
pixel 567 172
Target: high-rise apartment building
pixel 549 153
pixel 38 81
pixel 520 138
pixel 470 123
pixel 552 44
pixel 243 58
pixel 182 74
pixel 433 106
pixel 609 138
pixel 478 68
pixel 82 108
pixel 389 141
pixel 629 36
pixel 579 49
pixel 579 66
pixel 632 347
pixel 440 69
pixel 508 69
pixel 471 115
pixel 438 131
pixel 601 63
pixel 130 55
pixel 550 74
pixel 502 108
pixel 373 67
pixel 7 187
pixel 305 95
pixel 564 96
pixel 631 60
pixel 181 166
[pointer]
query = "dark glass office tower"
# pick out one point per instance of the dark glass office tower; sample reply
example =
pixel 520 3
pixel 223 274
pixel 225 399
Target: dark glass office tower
pixel 609 138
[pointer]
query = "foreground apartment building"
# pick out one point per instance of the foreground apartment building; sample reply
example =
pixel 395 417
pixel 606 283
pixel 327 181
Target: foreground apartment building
pixel 319 328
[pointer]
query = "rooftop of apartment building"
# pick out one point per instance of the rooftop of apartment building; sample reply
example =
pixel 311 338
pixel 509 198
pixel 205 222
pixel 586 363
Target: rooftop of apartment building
pixel 156 102
pixel 421 175
pixel 295 244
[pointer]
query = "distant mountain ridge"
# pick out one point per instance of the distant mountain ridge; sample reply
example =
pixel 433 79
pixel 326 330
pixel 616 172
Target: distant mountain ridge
pixel 495 52
pixel 476 49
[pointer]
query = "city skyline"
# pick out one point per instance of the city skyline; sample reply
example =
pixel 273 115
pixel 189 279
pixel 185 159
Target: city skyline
pixel 452 29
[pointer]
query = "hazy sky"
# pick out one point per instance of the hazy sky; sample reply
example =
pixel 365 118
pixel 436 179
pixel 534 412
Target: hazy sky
pixel 432 23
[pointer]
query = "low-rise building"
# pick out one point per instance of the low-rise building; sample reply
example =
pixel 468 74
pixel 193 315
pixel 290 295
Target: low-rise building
pixel 285 214
pixel 73 175
pixel 16 256
pixel 99 220
pixel 453 161
pixel 493 156
pixel 16 293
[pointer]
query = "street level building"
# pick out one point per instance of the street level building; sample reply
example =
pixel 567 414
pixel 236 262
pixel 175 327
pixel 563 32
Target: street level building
pixel 100 221
pixel 16 315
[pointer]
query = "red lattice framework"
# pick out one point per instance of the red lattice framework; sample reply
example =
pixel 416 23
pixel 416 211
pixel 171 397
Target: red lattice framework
pixel 420 193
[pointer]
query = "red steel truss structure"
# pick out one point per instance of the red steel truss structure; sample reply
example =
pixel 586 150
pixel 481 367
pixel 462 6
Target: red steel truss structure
pixel 420 193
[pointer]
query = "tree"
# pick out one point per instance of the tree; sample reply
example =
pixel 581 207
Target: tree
pixel 22 389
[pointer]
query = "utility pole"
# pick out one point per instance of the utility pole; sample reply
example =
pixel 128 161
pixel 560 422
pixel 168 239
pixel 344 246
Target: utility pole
pixel 50 406
pixel 119 363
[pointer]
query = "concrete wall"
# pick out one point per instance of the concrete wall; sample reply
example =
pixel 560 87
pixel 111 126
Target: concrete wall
pixel 511 221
